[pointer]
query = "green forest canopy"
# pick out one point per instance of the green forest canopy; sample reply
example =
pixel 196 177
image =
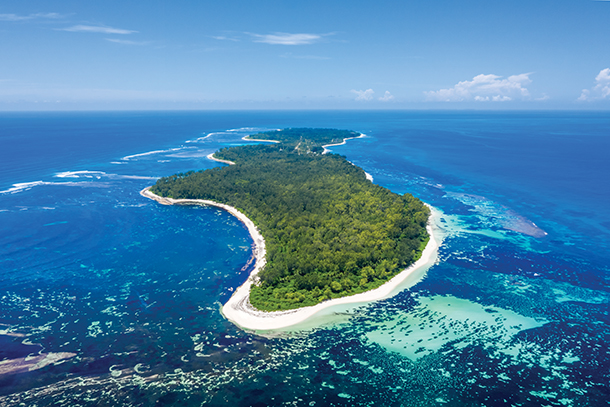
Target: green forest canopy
pixel 329 231
pixel 306 140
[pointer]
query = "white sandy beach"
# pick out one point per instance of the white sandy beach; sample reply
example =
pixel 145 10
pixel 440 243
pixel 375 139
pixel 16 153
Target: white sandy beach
pixel 211 157
pixel 257 139
pixel 239 310
pixel 326 150
pixel 259 242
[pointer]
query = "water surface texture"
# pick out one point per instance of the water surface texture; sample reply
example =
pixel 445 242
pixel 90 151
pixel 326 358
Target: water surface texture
pixel 108 298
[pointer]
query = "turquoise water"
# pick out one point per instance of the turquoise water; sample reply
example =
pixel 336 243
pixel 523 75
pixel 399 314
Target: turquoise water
pixel 108 298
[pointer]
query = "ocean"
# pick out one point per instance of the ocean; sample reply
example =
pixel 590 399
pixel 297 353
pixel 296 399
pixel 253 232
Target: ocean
pixel 108 298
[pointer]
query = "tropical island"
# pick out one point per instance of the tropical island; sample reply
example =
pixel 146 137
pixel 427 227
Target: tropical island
pixel 326 231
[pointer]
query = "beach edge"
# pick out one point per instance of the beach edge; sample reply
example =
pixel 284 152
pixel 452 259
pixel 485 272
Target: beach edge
pixel 238 309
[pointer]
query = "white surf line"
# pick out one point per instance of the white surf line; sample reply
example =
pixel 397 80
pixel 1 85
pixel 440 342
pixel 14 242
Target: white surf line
pixel 129 157
pixel 23 186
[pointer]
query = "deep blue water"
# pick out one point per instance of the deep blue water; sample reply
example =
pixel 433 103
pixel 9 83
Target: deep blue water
pixel 108 298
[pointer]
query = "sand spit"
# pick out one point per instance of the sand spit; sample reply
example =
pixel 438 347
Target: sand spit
pixel 211 157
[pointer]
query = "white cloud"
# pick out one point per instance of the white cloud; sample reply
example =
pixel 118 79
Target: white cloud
pixel 387 96
pixel 286 39
pixel 485 88
pixel 364 94
pixel 15 17
pixel 497 98
pixel 602 88
pixel 98 29
pixel 224 38
pixel 127 42
pixel 603 76
pixel 291 55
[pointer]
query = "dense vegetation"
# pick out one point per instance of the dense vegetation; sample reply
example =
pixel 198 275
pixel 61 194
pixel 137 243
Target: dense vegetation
pixel 306 140
pixel 329 231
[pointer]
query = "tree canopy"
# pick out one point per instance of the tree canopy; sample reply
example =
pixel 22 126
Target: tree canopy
pixel 329 232
pixel 306 140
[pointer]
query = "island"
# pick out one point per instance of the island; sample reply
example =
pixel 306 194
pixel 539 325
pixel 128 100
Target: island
pixel 323 232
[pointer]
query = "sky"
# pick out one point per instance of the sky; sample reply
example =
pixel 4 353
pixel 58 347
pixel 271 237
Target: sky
pixel 292 54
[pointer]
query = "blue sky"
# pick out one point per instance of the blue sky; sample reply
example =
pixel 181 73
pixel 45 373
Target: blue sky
pixel 304 54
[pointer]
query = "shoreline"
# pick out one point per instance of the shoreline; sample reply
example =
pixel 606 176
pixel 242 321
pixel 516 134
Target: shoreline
pixel 326 150
pixel 257 139
pixel 211 157
pixel 259 251
pixel 239 310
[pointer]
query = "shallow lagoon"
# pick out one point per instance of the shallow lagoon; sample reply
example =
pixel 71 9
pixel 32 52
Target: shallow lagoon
pixel 116 300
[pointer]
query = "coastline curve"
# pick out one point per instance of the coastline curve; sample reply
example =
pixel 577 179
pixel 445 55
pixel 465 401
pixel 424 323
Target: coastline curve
pixel 325 147
pixel 211 157
pixel 259 251
pixel 239 310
